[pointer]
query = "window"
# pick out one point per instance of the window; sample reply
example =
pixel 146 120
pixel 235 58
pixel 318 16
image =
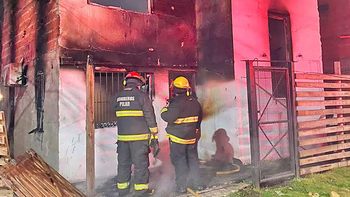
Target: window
pixel 132 5
pixel 108 84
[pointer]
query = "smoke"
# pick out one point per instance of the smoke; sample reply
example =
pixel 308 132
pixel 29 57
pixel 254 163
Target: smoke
pixel 162 172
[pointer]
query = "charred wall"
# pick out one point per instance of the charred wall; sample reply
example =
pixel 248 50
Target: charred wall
pixel 214 35
pixel 335 34
pixel 165 37
pixel 30 34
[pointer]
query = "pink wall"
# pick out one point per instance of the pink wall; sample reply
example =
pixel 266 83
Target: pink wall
pixel 250 29
pixel 227 101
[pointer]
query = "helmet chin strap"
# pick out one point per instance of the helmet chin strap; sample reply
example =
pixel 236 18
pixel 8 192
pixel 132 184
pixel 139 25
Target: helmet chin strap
pixel 189 92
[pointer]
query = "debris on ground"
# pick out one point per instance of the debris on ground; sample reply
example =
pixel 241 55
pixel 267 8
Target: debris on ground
pixel 6 192
pixel 30 175
pixel 279 193
pixel 334 194
pixel 222 190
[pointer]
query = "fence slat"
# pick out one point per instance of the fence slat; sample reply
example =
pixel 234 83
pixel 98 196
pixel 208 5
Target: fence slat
pixel 324 167
pixel 325 130
pixel 321 140
pixel 323 94
pixel 318 76
pixel 320 123
pixel 321 85
pixel 324 149
pixel 321 158
pixel 322 103
pixel 331 134
pixel 323 112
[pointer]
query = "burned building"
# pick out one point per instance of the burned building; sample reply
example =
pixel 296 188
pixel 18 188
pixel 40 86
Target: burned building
pixel 205 41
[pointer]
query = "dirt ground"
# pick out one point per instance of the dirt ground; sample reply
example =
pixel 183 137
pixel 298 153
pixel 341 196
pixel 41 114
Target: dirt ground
pixel 162 180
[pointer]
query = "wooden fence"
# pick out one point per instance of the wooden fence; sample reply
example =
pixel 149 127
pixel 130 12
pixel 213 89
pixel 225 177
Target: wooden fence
pixel 323 113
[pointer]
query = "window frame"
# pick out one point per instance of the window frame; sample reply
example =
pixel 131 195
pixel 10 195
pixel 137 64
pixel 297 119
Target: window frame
pixel 150 7
pixel 104 93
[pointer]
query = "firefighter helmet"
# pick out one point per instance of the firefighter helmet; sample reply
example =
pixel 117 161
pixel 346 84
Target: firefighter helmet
pixel 134 75
pixel 181 82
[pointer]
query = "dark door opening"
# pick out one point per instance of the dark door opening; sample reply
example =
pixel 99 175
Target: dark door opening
pixel 280 50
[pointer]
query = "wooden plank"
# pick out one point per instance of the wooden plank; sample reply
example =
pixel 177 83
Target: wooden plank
pixel 90 129
pixel 337 71
pixel 322 85
pixel 33 177
pixel 50 173
pixel 2 139
pixel 317 159
pixel 324 130
pixel 319 76
pixel 321 123
pixel 323 112
pixel 323 94
pixel 324 167
pixel 4 151
pixel 321 140
pixel 304 103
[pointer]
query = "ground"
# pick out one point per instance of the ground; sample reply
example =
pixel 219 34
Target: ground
pixel 334 183
pixel 162 180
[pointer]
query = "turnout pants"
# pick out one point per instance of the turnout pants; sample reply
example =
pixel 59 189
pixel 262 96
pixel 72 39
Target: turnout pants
pixel 184 157
pixel 133 152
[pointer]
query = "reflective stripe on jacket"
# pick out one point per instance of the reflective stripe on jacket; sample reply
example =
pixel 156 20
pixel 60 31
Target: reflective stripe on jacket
pixel 181 141
pixel 186 120
pixel 128 113
pixel 184 116
pixel 135 115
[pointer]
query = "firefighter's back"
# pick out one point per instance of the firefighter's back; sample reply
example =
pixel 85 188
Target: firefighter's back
pixel 130 117
pixel 189 114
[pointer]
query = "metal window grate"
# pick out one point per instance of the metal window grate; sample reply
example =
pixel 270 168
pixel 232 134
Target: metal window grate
pixel 107 85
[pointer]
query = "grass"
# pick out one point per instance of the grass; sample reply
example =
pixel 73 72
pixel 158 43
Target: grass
pixel 336 180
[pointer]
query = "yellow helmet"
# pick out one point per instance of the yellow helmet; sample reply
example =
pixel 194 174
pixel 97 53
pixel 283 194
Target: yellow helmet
pixel 181 82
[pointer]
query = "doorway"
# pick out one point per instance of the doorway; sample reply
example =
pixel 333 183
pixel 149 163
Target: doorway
pixel 280 49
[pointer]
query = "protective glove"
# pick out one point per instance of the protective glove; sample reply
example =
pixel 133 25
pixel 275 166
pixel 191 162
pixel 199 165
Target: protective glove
pixel 154 144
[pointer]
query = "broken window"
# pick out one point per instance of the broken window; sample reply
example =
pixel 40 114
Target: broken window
pixel 107 85
pixel 132 5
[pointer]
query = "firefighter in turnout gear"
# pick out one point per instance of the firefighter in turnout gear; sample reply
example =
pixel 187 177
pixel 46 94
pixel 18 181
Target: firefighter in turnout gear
pixel 137 127
pixel 183 113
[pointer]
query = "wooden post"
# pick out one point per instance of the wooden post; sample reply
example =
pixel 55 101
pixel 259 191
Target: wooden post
pixel 90 129
pixel 337 71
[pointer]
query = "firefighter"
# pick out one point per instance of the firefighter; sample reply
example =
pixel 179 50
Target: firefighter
pixel 137 127
pixel 183 113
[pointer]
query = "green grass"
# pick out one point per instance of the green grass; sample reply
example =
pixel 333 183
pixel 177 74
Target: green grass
pixel 337 180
